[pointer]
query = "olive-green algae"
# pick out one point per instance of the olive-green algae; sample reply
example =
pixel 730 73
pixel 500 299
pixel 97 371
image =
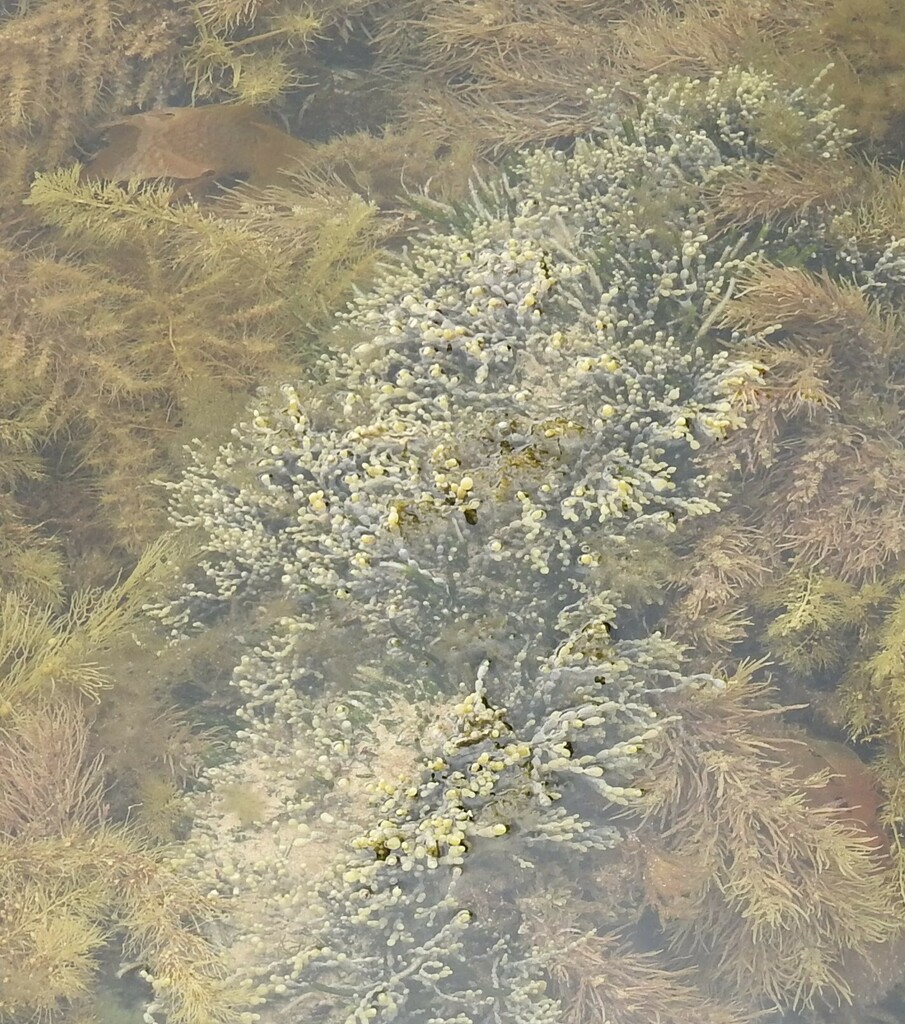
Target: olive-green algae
pixel 520 398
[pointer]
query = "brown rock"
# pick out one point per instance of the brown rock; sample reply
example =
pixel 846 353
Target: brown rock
pixel 196 143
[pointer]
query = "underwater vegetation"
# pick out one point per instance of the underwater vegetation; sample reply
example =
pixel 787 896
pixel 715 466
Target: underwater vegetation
pixel 113 297
pixel 66 66
pixel 45 652
pixel 66 873
pixel 505 72
pixel 460 727
pixel 402 95
pixel 141 303
pixel 499 72
pixel 867 41
pixel 819 469
pixel 81 890
pixel 139 315
pixel 750 866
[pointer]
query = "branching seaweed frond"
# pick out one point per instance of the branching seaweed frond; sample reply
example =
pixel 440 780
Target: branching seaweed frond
pixel 43 652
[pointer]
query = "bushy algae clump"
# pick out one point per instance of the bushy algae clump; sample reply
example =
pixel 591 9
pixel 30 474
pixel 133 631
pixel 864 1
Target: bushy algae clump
pixel 434 554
